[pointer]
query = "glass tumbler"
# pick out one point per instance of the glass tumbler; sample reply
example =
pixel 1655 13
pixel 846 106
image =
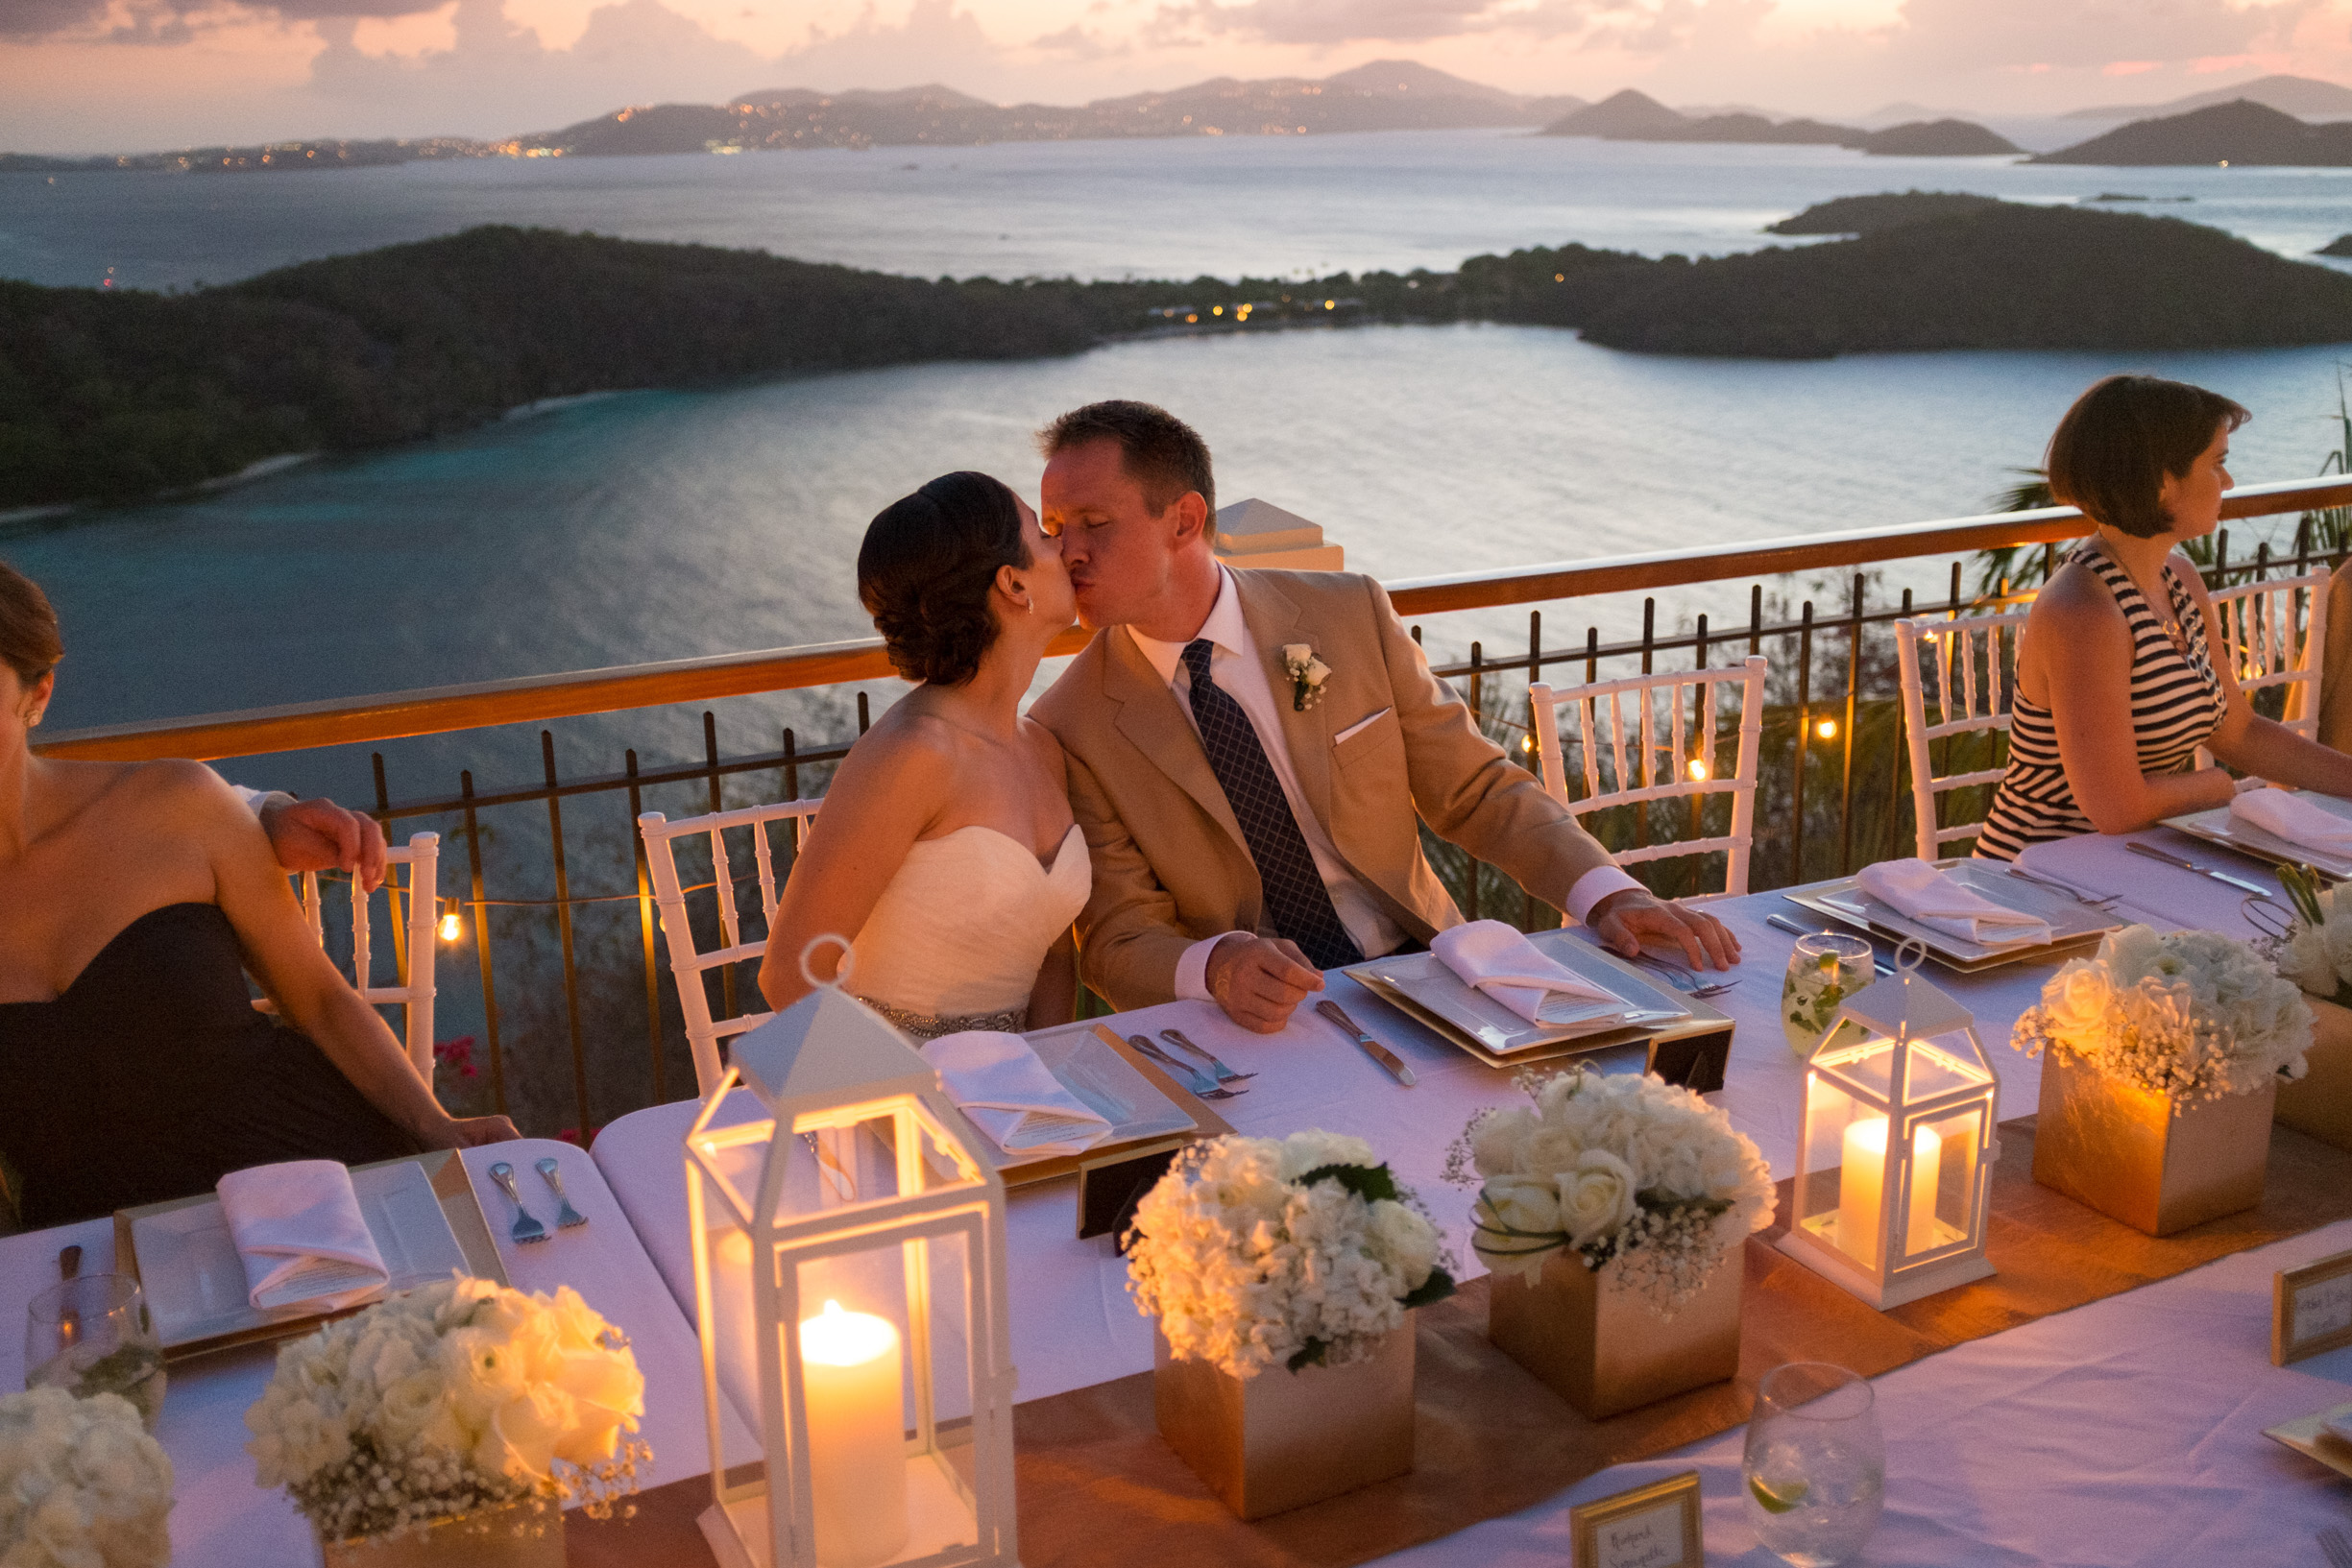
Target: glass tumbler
pixel 1815 1464
pixel 94 1335
pixel 1825 968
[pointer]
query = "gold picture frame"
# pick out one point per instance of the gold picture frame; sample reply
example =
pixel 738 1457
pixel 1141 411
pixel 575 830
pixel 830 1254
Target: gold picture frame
pixel 1637 1526
pixel 2311 1309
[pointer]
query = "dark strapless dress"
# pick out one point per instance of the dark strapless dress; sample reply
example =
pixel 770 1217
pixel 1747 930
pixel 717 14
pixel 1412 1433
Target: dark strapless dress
pixel 152 1077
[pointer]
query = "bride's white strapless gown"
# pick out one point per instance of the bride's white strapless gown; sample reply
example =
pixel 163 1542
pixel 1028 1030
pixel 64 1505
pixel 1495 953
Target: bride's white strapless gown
pixel 958 935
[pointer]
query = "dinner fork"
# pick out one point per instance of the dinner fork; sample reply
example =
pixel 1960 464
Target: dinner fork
pixel 1683 980
pixel 553 1173
pixel 526 1228
pixel 2338 1546
pixel 1203 1086
pixel 1225 1074
pixel 2101 902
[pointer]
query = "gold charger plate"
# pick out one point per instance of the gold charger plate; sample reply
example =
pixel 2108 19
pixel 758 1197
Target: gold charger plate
pixel 445 1172
pixel 1205 1123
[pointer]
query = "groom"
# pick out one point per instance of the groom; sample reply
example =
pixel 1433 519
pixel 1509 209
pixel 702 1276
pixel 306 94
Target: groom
pixel 1242 845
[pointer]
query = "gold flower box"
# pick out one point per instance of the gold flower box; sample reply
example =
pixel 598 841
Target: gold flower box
pixel 1283 1439
pixel 2320 1101
pixel 2119 1148
pixel 525 1534
pixel 1603 1350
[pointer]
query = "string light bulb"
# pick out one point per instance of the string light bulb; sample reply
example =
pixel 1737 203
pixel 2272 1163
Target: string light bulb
pixel 451 928
pixel 1698 768
pixel 1827 729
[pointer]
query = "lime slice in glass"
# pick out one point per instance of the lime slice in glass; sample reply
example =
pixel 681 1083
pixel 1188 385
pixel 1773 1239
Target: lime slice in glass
pixel 1780 1502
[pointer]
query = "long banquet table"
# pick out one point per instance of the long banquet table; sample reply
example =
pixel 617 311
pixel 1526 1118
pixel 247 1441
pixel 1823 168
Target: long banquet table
pixel 2124 1432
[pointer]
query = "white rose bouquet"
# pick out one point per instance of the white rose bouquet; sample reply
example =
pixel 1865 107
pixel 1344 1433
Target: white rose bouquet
pixel 456 1396
pixel 1622 1169
pixel 2189 1015
pixel 2316 950
pixel 1300 1251
pixel 82 1484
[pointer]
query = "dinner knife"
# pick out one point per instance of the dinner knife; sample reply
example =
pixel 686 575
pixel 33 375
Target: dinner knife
pixel 1372 1048
pixel 2185 864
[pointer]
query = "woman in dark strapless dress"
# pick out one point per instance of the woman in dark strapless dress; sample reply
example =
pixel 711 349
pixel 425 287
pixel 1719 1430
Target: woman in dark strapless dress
pixel 134 898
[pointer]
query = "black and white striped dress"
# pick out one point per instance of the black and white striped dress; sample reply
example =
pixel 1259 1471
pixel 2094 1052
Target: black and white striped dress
pixel 2176 704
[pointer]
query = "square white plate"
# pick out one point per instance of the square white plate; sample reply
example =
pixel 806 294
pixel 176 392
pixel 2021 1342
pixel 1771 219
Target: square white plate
pixel 2071 921
pixel 1108 1086
pixel 1424 978
pixel 2218 826
pixel 195 1282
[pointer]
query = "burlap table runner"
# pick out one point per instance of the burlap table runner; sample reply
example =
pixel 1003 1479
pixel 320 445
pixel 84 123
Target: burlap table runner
pixel 1099 1487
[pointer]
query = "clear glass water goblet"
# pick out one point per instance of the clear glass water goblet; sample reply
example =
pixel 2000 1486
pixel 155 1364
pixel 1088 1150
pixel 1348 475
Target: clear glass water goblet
pixel 94 1335
pixel 1815 1464
pixel 1825 968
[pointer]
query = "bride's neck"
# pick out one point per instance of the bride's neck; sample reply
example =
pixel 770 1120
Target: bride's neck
pixel 992 697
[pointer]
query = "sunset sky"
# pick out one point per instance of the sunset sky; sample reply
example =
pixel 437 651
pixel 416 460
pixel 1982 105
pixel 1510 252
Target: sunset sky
pixel 131 75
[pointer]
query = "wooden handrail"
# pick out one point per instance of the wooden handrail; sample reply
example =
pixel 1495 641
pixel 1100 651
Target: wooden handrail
pixel 534 699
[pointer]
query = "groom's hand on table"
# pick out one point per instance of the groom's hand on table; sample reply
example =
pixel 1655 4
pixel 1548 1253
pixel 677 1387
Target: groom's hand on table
pixel 1634 921
pixel 1260 981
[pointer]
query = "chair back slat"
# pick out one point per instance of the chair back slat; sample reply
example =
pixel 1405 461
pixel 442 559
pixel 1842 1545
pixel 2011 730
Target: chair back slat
pixel 2274 634
pixel 687 963
pixel 412 949
pixel 1662 737
pixel 1972 660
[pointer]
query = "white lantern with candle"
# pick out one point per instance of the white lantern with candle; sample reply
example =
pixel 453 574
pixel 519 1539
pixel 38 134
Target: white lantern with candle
pixel 850 1286
pixel 1894 1165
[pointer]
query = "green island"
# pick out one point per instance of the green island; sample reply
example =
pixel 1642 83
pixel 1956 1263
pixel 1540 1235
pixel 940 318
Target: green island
pixel 119 395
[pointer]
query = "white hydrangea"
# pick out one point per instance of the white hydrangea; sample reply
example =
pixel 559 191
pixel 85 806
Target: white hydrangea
pixel 82 1484
pixel 2317 953
pixel 1246 1267
pixel 1623 1167
pixel 2189 1015
pixel 458 1395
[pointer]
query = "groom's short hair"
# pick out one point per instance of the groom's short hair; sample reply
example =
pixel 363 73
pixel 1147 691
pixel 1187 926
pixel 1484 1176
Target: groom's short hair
pixel 1159 452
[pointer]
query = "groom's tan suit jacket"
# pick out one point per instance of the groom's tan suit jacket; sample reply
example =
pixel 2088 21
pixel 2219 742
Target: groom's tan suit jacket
pixel 1169 865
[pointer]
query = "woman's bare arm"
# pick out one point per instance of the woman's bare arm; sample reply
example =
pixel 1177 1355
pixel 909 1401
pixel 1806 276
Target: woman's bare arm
pixel 2081 652
pixel 284 957
pixel 888 791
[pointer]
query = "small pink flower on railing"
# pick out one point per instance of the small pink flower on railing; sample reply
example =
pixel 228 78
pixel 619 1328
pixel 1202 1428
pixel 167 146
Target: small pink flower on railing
pixel 457 1054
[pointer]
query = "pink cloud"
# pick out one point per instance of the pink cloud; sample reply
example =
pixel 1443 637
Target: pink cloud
pixel 2127 67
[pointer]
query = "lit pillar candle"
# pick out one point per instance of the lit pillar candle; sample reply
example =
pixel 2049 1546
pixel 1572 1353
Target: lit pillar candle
pixel 1861 1185
pixel 857 1436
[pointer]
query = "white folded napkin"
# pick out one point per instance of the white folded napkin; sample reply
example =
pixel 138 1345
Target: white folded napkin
pixel 999 1083
pixel 2287 815
pixel 1491 956
pixel 1936 901
pixel 300 1234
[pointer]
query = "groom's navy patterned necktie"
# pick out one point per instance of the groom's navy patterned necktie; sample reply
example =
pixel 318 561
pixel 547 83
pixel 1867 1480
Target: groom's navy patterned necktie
pixel 1297 905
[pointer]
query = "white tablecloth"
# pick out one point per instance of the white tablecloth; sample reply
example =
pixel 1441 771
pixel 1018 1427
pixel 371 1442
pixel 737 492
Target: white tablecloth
pixel 221 1519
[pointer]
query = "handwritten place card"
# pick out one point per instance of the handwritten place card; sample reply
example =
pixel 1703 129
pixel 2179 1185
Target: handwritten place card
pixel 2311 1309
pixel 1655 1526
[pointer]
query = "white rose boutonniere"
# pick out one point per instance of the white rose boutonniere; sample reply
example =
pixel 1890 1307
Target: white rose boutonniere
pixel 1308 674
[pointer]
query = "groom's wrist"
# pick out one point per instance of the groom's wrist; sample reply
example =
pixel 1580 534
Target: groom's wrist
pixel 1191 971
pixel 1594 888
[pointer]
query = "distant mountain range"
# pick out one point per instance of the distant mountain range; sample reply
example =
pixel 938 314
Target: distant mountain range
pixel 1636 116
pixel 2299 95
pixel 2235 132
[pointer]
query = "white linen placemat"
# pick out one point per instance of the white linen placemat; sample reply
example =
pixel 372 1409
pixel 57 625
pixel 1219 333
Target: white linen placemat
pixel 1487 955
pixel 1936 901
pixel 999 1083
pixel 300 1235
pixel 2283 814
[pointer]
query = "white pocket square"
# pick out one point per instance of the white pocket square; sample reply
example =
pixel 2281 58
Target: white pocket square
pixel 1359 727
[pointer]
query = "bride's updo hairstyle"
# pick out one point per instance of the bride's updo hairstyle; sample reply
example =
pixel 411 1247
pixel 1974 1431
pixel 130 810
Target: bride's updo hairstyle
pixel 29 641
pixel 2112 450
pixel 926 567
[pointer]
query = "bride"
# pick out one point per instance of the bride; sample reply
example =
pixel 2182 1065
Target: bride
pixel 946 847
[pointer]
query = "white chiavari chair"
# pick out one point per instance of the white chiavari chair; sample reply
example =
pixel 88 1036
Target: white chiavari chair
pixel 416 909
pixel 1660 736
pixel 2274 634
pixel 689 966
pixel 1966 667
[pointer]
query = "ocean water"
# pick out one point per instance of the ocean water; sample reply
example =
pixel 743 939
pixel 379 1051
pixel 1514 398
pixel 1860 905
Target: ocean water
pixel 660 525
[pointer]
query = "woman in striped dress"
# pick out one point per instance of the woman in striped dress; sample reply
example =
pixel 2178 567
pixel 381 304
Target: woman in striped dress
pixel 2117 685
